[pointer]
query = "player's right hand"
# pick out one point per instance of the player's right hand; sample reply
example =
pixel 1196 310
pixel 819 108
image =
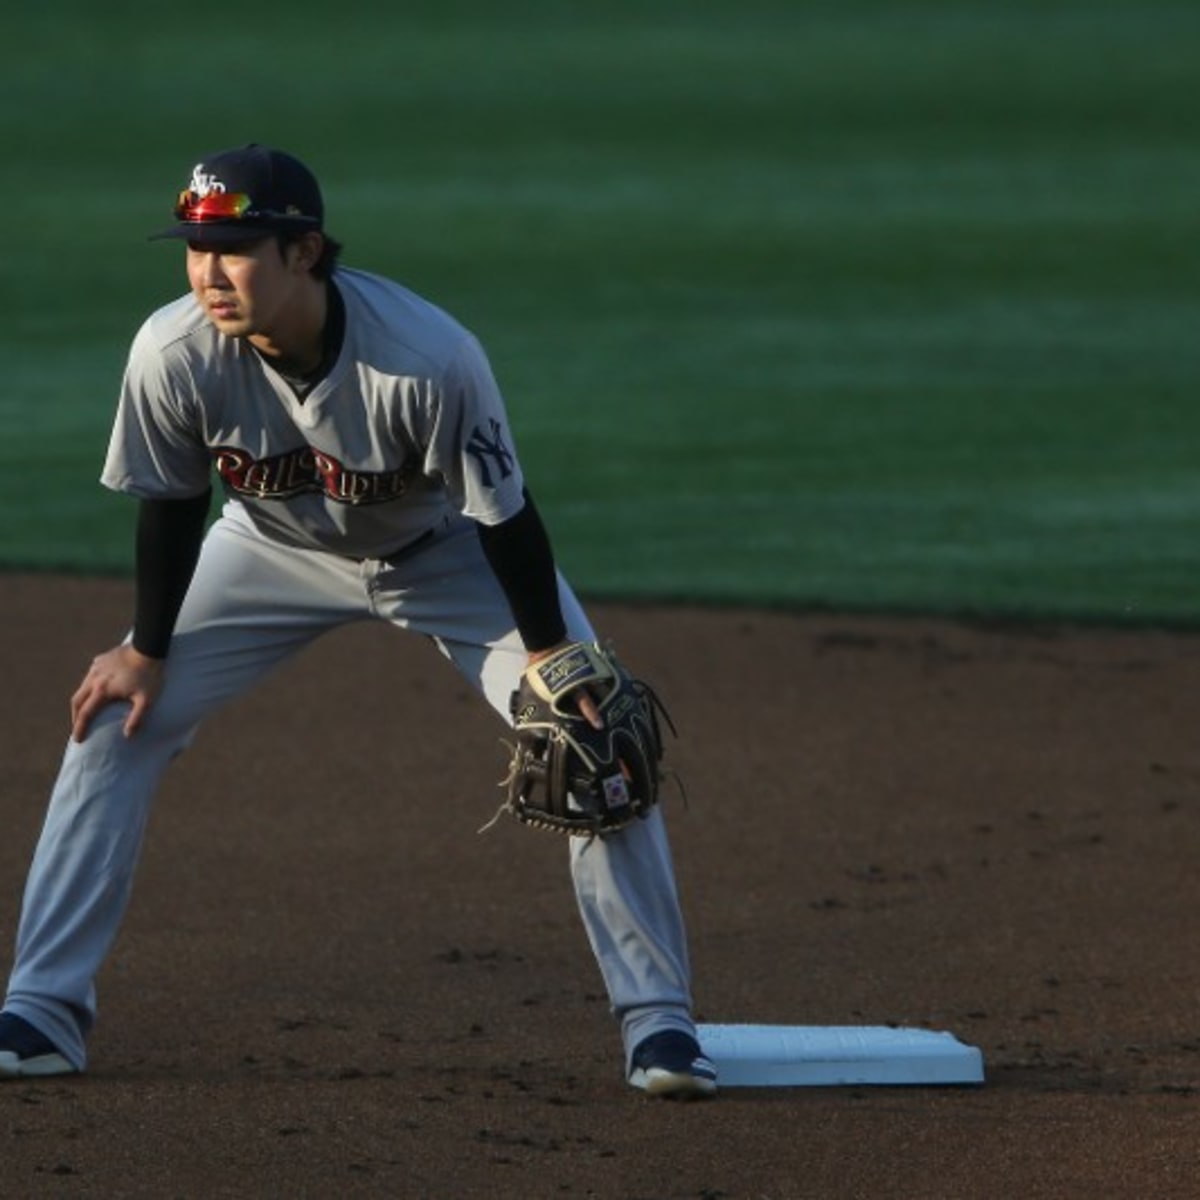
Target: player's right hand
pixel 121 673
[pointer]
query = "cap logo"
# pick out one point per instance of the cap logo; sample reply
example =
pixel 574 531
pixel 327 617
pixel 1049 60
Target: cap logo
pixel 246 193
pixel 203 183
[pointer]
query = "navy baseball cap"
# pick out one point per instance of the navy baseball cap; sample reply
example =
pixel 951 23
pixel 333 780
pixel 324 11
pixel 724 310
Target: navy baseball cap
pixel 245 194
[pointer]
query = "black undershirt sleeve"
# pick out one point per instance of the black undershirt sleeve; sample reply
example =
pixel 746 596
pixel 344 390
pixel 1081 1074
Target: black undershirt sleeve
pixel 518 551
pixel 169 533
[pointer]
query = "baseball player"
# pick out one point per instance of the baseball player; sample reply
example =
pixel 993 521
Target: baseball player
pixel 368 470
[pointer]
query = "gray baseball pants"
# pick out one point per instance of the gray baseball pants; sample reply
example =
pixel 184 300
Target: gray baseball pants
pixel 252 604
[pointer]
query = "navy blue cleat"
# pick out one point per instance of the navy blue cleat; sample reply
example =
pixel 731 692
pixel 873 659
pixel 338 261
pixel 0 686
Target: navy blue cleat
pixel 671 1064
pixel 27 1054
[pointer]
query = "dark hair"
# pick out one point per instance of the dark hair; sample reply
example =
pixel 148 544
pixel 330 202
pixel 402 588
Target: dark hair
pixel 325 265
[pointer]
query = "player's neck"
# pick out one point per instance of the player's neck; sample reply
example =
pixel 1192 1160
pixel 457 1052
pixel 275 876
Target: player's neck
pixel 295 344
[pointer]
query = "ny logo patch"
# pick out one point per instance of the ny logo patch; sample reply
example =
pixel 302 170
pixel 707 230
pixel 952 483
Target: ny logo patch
pixel 490 452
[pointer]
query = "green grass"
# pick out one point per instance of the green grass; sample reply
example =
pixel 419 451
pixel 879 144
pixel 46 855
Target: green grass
pixel 856 305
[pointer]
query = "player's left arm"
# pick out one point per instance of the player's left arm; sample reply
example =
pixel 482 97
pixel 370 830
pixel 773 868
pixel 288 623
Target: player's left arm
pixel 469 444
pixel 518 551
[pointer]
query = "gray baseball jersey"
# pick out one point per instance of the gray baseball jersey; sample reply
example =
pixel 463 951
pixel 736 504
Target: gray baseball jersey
pixel 400 428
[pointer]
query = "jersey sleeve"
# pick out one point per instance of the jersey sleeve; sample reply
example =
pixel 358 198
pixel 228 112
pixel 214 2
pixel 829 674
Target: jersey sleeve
pixel 470 446
pixel 157 448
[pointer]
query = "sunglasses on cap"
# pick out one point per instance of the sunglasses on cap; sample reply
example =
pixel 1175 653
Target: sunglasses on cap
pixel 198 209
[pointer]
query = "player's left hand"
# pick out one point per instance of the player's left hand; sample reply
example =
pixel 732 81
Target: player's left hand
pixel 121 673
pixel 583 777
pixel 588 708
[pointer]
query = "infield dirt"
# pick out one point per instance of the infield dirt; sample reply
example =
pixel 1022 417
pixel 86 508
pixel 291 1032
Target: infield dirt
pixel 330 986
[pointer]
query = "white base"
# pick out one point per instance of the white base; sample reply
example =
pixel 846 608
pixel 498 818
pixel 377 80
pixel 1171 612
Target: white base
pixel 825 1056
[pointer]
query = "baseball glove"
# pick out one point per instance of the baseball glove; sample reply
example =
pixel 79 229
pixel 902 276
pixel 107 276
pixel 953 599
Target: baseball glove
pixel 564 774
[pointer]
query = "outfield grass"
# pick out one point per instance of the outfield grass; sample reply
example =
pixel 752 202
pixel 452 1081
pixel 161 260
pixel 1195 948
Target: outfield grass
pixel 859 305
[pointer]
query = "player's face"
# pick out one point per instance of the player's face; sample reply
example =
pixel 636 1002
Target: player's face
pixel 246 289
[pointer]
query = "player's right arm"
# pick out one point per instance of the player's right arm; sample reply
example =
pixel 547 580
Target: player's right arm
pixel 169 533
pixel 156 453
